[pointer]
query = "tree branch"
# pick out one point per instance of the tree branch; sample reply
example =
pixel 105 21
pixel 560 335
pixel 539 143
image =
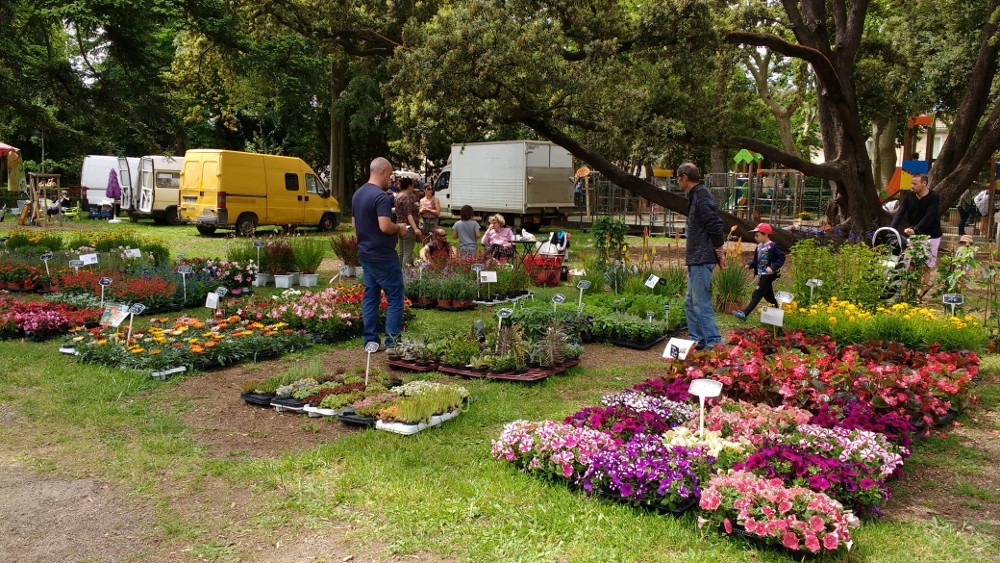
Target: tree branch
pixel 824 171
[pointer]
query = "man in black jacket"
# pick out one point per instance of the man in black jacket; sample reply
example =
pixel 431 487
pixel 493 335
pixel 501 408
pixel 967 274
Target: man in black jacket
pixel 921 208
pixel 705 238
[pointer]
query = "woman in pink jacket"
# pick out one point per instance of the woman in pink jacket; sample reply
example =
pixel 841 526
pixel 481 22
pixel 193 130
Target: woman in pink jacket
pixel 499 239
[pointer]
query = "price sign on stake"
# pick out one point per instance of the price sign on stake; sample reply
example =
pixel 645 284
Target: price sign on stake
pixel 212 300
pixel 76 264
pixel 772 316
pixel 677 348
pixel 784 298
pixel 370 348
pixel 88 259
pixel 813 283
pixel 953 299
pixel 135 309
pixel 46 256
pixel 103 282
pixel 221 291
pixel 185 270
pixel 704 388
pixel 666 314
pixel 180 256
pixel 503 314
pixel 581 285
pixel 556 300
pixel 133 253
pixel 652 280
pixel 649 316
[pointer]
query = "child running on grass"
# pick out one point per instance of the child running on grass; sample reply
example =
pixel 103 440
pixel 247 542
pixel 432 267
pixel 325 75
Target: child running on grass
pixel 767 260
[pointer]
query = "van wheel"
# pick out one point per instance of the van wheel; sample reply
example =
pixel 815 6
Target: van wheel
pixel 173 217
pixel 327 223
pixel 246 225
pixel 205 229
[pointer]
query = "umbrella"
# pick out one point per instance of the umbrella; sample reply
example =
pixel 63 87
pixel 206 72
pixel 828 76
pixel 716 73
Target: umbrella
pixel 5 148
pixel 114 190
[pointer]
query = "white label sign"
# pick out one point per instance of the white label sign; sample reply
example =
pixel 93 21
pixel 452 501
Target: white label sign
pixel 784 297
pixel 212 300
pixel 814 282
pixel 133 253
pixel 88 259
pixel 772 316
pixel 487 277
pixel 184 269
pixel 652 280
pixel 677 348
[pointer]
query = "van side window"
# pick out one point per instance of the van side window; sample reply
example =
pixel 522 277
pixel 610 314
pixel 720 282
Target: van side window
pixel 291 182
pixel 314 185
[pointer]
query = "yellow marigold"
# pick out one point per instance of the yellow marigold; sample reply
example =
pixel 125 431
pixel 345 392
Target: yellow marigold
pixel 906 317
pixel 833 320
pixel 154 351
pixel 102 342
pixel 852 318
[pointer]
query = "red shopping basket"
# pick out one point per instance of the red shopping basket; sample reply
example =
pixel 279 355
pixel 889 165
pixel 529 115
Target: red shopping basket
pixel 543 270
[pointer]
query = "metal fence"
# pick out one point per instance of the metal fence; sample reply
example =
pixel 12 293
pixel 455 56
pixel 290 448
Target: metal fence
pixel 774 196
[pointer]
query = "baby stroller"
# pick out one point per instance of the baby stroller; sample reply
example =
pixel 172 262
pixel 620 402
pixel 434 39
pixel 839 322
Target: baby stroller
pixel 893 263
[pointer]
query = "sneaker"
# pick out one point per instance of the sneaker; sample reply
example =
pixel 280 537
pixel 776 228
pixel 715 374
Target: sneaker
pixel 740 315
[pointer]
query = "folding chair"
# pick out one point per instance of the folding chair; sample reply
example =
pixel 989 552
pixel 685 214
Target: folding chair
pixel 71 212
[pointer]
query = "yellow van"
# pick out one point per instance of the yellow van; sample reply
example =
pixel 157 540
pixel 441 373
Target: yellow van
pixel 222 189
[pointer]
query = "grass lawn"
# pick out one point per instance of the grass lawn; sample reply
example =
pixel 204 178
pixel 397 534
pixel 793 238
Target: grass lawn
pixel 432 496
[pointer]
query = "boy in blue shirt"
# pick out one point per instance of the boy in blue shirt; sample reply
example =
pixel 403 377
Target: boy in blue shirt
pixel 767 260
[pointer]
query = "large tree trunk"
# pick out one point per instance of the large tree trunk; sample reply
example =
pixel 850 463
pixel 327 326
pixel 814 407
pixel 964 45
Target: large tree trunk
pixel 884 141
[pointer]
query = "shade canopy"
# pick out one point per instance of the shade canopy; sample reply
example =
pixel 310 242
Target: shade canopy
pixel 5 148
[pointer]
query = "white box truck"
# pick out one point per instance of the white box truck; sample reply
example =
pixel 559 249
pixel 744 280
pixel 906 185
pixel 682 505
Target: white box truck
pixel 530 183
pixel 96 171
pixel 157 190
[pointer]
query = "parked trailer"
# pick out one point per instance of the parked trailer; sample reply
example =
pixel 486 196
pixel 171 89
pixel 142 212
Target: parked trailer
pixel 528 182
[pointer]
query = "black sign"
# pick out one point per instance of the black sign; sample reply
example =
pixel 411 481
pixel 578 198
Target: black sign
pixel 136 309
pixel 258 244
pixel 505 312
pixel 583 284
pixel 477 267
pixel 75 263
pixel 953 299
pixel 221 291
pixel 105 281
pixel 47 256
pixel 184 269
pixel 180 256
pixel 675 352
pixel 558 298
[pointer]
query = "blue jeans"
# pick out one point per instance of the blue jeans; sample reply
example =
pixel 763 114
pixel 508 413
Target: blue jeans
pixel 379 277
pixel 698 306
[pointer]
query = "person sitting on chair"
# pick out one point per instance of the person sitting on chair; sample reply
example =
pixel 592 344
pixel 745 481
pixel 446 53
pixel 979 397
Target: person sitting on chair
pixel 56 208
pixel 437 248
pixel 499 239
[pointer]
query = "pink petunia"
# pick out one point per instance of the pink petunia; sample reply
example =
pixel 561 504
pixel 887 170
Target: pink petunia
pixel 727 525
pixel 790 540
pixel 817 524
pixel 830 541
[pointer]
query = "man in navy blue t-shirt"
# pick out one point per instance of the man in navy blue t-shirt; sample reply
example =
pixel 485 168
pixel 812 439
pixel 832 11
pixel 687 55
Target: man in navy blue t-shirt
pixel 372 219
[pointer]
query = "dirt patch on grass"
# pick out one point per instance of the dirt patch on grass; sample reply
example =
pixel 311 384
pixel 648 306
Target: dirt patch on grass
pixel 51 519
pixel 961 487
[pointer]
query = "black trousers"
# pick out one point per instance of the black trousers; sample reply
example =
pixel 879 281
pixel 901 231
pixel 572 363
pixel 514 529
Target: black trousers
pixel 765 290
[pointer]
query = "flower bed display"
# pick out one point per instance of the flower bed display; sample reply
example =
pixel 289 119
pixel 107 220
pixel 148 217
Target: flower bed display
pixel 919 386
pixel 792 473
pixel 330 315
pixel 913 326
pixel 41 320
pixel 190 342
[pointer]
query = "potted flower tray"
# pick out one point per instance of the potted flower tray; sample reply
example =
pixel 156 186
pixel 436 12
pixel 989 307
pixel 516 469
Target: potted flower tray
pixel 317 412
pixel 410 429
pixel 257 399
pixel 643 345
pixel 287 404
pixel 529 376
pixel 350 416
pixel 463 372
pixel 411 366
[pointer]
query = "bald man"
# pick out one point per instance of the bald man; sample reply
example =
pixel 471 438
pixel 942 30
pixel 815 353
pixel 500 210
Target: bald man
pixel 371 210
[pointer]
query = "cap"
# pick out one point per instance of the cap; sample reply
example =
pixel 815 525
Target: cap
pixel 763 228
pixel 966 239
